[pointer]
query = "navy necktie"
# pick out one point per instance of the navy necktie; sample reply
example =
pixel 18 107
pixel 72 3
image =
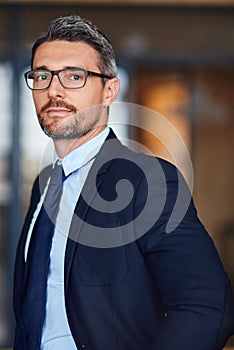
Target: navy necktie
pixel 38 260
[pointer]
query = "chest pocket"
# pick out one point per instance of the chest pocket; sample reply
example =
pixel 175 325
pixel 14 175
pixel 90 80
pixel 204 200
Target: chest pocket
pixel 101 266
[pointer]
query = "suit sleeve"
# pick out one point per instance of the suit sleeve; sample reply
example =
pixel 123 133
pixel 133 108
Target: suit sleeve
pixel 187 270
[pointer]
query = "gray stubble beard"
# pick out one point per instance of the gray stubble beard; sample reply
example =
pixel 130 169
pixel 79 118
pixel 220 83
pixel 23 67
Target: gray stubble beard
pixel 76 126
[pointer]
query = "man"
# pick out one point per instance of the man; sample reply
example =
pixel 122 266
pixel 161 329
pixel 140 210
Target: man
pixel 125 267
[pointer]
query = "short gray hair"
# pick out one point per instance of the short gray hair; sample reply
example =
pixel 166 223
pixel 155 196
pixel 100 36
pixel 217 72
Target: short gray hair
pixel 74 28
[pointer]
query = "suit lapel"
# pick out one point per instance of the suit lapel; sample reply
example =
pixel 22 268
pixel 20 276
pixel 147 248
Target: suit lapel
pixel 97 176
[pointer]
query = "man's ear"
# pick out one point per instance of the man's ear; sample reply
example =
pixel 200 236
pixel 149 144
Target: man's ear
pixel 111 91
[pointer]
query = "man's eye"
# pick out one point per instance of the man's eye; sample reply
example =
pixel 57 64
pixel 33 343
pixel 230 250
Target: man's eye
pixel 75 77
pixel 42 77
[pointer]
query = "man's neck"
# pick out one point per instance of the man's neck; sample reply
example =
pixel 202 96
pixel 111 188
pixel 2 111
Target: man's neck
pixel 65 146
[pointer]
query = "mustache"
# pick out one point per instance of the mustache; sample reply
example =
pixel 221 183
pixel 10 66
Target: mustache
pixel 58 103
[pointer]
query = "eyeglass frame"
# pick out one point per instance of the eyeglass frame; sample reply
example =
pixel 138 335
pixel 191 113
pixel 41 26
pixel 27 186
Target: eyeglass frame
pixel 56 72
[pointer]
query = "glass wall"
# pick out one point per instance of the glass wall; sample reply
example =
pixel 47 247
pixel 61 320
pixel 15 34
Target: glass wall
pixel 5 186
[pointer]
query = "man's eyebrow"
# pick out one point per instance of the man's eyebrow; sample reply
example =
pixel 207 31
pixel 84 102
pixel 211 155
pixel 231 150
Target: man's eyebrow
pixel 73 67
pixel 41 68
pixel 67 67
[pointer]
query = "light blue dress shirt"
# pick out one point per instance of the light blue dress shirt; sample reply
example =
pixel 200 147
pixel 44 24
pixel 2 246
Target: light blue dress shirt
pixel 56 332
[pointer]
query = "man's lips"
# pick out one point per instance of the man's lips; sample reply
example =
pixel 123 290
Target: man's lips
pixel 53 107
pixel 57 111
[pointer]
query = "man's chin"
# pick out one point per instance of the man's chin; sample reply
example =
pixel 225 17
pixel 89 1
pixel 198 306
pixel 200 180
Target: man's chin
pixel 65 134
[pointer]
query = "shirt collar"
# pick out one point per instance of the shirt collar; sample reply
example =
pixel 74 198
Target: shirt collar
pixel 83 154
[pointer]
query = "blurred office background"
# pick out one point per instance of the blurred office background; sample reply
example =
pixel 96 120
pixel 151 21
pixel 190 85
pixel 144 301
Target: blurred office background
pixel 175 57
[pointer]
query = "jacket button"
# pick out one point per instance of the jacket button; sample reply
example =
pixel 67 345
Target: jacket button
pixel 83 346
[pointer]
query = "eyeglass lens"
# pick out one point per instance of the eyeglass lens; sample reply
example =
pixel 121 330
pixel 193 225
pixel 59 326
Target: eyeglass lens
pixel 69 78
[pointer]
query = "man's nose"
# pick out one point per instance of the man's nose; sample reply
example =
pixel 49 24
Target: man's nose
pixel 56 90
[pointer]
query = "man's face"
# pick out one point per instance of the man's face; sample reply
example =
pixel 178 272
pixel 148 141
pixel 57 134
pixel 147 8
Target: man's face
pixel 70 113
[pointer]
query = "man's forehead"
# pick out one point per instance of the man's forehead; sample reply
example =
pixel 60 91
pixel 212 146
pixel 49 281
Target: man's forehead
pixel 66 53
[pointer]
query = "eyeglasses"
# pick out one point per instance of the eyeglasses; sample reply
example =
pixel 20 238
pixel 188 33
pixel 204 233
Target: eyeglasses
pixel 70 78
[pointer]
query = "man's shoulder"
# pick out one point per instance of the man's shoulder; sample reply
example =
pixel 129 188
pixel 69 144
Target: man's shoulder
pixel 116 150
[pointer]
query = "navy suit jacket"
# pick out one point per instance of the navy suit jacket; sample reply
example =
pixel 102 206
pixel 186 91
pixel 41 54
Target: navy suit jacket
pixel 131 281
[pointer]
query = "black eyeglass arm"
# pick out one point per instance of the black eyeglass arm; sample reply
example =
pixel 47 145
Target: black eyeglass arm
pixel 98 75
